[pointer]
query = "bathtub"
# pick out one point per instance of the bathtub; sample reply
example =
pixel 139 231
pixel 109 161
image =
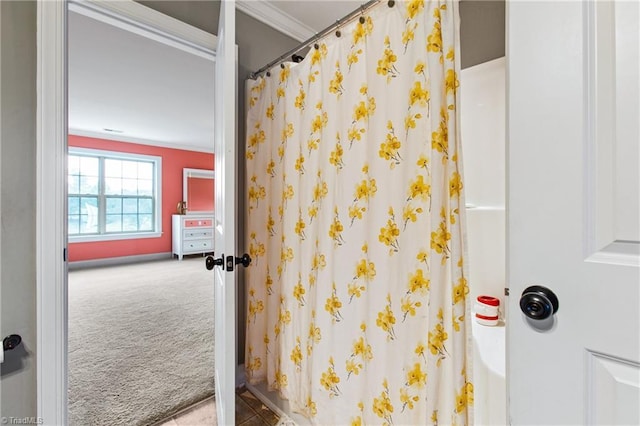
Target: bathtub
pixel 488 381
pixel 489 386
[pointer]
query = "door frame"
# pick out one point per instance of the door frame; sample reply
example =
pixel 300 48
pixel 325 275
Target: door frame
pixel 51 163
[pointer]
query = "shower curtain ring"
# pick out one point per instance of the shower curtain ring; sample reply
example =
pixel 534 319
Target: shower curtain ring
pixel 362 9
pixel 361 20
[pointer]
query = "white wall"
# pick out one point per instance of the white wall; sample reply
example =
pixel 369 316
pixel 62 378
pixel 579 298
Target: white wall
pixel 17 191
pixel 483 146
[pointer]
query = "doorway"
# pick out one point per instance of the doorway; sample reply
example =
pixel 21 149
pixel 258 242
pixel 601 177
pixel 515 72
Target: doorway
pixel 135 24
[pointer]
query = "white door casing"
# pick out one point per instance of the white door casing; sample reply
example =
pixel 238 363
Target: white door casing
pixel 573 206
pixel 51 230
pixel 1 203
pixel 224 218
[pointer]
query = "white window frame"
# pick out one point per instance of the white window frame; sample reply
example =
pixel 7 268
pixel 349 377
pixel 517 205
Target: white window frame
pixel 157 196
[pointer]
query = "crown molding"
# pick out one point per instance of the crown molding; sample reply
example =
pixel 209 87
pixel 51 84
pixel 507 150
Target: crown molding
pixel 122 138
pixel 267 13
pixel 142 20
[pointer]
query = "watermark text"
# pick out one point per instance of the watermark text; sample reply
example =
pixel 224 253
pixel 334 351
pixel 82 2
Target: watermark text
pixel 22 420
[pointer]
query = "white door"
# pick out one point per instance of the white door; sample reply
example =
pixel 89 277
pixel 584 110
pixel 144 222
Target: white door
pixel 224 218
pixel 573 215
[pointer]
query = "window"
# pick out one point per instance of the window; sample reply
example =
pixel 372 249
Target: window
pixel 113 195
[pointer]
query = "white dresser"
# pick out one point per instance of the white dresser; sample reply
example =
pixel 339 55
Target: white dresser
pixel 192 234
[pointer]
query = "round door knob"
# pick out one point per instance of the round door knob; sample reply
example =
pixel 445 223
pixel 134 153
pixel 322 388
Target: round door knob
pixel 245 260
pixel 11 342
pixel 210 262
pixel 538 302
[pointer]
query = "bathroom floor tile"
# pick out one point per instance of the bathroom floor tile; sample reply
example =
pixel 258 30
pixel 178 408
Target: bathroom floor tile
pixel 268 416
pixel 243 410
pixel 250 399
pixel 250 411
pixel 254 421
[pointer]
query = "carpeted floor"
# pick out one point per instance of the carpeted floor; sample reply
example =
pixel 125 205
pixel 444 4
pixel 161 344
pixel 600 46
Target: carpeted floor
pixel 140 341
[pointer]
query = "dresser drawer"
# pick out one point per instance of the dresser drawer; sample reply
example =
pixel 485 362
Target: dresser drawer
pixel 197 233
pixel 197 245
pixel 195 223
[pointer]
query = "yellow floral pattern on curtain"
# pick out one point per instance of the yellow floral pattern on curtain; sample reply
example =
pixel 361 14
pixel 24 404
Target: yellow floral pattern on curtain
pixel 358 307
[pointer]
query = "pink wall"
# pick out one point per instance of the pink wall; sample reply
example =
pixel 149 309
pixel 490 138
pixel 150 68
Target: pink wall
pixel 173 161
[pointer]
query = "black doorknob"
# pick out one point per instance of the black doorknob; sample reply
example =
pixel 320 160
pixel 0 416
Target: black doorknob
pixel 245 260
pixel 538 302
pixel 211 261
pixel 11 342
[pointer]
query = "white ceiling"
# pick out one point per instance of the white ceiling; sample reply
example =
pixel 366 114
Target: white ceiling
pixel 317 14
pixel 153 93
pixel 300 19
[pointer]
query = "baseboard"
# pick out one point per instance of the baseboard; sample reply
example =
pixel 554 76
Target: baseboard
pixel 123 260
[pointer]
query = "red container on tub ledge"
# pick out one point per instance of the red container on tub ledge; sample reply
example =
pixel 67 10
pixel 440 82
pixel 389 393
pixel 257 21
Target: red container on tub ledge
pixel 487 310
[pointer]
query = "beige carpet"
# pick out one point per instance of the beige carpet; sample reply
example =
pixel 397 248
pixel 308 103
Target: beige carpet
pixel 140 341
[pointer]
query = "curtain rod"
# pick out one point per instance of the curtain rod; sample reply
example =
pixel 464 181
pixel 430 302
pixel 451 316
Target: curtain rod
pixel 321 34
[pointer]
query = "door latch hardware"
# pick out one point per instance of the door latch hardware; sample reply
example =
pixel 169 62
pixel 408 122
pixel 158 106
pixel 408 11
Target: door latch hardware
pixel 538 302
pixel 244 260
pixel 11 342
pixel 211 261
pixel 230 263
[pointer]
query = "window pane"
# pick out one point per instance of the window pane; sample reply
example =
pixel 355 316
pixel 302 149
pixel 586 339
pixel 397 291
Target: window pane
pixel 114 205
pixel 89 166
pixel 145 187
pixel 73 184
pixel 112 168
pixel 73 224
pixel 129 222
pixel 113 186
pixel 89 205
pixel 114 223
pixel 74 205
pixel 145 170
pixel 129 187
pixel 146 222
pixel 88 224
pixel 73 165
pixel 130 169
pixel 130 205
pixel 145 205
pixel 88 185
pixel 89 215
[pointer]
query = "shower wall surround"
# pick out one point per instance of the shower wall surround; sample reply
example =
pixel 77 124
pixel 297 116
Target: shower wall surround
pixel 483 142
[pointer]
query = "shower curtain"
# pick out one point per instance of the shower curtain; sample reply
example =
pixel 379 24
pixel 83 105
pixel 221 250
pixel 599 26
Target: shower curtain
pixel 357 303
